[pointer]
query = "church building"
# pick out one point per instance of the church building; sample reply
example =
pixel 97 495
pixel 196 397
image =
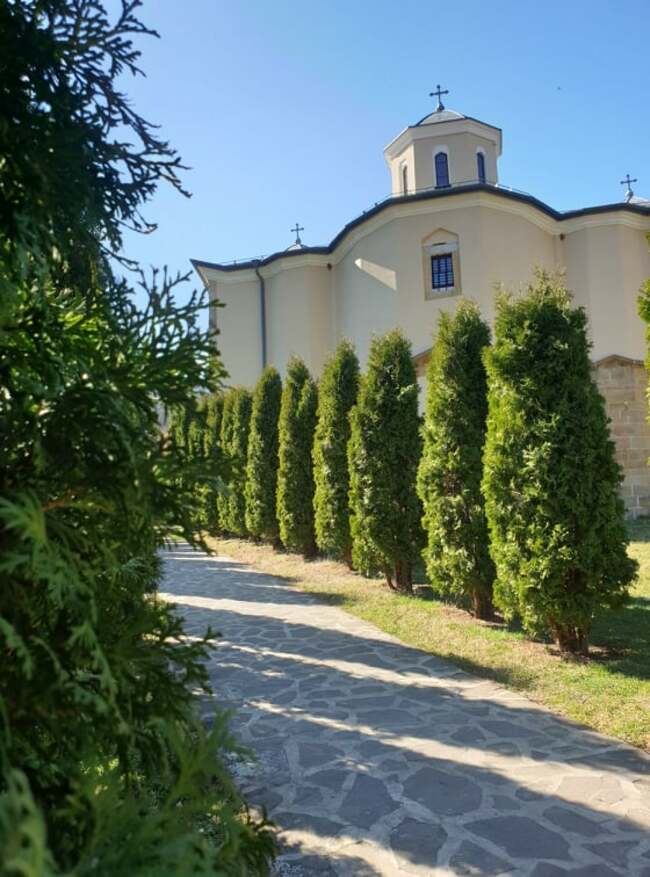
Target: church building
pixel 448 229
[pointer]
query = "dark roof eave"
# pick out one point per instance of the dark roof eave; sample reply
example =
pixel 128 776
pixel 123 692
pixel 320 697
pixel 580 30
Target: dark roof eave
pixel 422 196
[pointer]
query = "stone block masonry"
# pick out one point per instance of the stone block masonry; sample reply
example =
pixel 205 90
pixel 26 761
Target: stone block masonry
pixel 623 384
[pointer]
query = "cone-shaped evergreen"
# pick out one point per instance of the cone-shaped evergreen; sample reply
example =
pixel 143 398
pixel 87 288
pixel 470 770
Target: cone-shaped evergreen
pixel 295 474
pixel 337 394
pixel 449 478
pixel 214 459
pixel 225 433
pixel 195 442
pixel 383 455
pixel 551 482
pixel 262 465
pixel 235 421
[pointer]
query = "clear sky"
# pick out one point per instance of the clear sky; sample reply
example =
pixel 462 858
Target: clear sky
pixel 282 108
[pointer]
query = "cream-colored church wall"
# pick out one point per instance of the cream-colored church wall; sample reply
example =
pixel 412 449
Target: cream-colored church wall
pixel 238 322
pixel 407 158
pixel 605 267
pixel 381 282
pixel 299 316
pixel 364 289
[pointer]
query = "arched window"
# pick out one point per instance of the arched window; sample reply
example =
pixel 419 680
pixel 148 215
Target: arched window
pixel 405 180
pixel 442 170
pixel 480 165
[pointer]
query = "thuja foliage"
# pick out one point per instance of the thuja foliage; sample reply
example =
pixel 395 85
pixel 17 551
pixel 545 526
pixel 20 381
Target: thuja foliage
pixel 104 767
pixel 262 464
pixel 551 482
pixel 297 423
pixel 235 423
pixel 214 462
pixel 449 477
pixel 337 393
pixel 383 455
pixel 644 313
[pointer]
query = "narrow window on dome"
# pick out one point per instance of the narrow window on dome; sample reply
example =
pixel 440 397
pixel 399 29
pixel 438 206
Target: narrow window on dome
pixel 405 180
pixel 442 271
pixel 442 170
pixel 480 164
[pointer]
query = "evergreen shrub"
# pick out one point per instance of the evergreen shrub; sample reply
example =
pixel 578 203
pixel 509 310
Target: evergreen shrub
pixel 449 477
pixel 213 457
pixel 235 426
pixel 105 767
pixel 337 394
pixel 262 464
pixel 551 482
pixel 383 455
pixel 295 499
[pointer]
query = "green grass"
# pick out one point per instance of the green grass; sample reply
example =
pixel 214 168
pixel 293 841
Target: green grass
pixel 609 691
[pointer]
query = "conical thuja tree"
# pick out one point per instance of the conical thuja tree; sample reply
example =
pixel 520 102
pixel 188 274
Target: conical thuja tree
pixel 225 439
pixel 449 477
pixel 262 464
pixel 295 473
pixel 383 456
pixel 551 482
pixel 213 456
pixel 235 424
pixel 338 389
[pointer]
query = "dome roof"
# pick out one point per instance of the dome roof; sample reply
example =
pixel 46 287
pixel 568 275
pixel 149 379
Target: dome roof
pixel 643 202
pixel 440 116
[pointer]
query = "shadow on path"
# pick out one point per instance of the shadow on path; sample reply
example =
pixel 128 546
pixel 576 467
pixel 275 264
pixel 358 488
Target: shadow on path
pixel 378 758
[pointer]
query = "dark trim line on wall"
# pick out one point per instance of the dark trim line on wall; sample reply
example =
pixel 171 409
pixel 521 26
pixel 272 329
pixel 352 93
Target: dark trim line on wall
pixel 262 313
pixel 429 195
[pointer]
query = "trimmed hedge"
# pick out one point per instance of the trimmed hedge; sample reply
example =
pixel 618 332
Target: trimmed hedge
pixel 449 477
pixel 297 423
pixel 262 463
pixel 383 455
pixel 338 390
pixel 551 482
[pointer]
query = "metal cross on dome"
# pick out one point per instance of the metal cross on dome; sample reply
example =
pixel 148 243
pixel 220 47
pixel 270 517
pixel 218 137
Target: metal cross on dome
pixel 438 93
pixel 297 230
pixel 628 182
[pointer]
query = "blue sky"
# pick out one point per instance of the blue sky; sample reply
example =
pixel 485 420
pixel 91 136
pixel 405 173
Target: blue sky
pixel 282 109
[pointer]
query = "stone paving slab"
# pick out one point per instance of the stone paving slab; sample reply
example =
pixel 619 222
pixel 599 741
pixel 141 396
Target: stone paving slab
pixel 376 758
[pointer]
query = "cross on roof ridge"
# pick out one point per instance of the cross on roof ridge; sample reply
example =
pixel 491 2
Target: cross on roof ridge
pixel 438 93
pixel 297 230
pixel 627 182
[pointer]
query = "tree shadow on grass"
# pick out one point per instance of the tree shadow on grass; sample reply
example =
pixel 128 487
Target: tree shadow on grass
pixel 620 639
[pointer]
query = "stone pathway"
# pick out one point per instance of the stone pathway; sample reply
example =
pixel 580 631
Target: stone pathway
pixel 379 759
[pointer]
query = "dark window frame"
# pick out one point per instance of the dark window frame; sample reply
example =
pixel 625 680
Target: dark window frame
pixel 441 164
pixel 442 271
pixel 480 166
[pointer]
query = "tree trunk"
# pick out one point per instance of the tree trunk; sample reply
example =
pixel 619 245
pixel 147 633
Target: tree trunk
pixel 482 606
pixel 572 640
pixel 309 549
pixel 403 577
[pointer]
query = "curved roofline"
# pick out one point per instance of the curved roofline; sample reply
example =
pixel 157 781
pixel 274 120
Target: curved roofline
pixel 429 195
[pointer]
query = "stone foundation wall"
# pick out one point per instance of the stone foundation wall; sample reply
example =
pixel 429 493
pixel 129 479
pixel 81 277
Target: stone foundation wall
pixel 623 383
